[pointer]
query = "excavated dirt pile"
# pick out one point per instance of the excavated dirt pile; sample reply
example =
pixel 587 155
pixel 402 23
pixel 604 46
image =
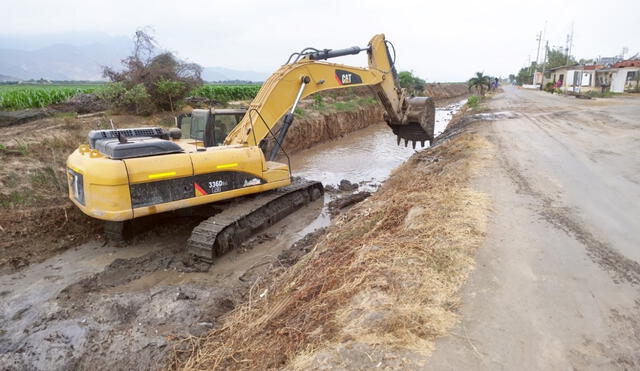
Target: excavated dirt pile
pixel 378 287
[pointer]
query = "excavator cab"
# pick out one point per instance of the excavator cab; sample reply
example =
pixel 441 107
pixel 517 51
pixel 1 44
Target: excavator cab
pixel 210 126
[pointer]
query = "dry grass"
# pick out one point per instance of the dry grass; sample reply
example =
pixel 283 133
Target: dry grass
pixel 385 276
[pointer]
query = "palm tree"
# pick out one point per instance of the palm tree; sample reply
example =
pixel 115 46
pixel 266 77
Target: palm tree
pixel 479 81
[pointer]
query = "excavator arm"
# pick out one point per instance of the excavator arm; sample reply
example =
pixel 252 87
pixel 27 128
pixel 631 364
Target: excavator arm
pixel 411 118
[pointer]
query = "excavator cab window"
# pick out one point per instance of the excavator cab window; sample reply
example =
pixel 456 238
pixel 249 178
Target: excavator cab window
pixel 211 129
pixel 198 127
pixel 194 125
pixel 222 125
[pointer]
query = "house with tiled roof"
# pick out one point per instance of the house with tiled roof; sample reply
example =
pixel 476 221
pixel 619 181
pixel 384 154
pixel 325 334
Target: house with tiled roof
pixel 619 77
pixel 575 78
pixel 626 76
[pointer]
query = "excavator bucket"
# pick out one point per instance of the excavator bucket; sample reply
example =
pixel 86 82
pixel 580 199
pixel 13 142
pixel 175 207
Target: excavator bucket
pixel 418 121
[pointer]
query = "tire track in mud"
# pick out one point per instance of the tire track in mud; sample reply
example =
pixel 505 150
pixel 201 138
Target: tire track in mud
pixel 620 268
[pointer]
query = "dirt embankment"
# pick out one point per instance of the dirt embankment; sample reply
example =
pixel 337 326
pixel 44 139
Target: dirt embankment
pixel 442 92
pixel 317 128
pixel 379 287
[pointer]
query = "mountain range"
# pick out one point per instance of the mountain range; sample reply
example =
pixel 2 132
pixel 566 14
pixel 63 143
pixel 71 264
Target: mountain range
pixel 83 61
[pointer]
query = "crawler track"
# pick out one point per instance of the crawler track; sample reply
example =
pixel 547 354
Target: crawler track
pixel 226 230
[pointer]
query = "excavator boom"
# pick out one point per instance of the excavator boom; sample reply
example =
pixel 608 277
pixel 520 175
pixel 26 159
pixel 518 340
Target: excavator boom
pixel 411 118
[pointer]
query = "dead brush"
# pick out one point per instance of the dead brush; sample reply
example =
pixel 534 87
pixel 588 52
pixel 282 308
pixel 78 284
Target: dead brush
pixel 385 275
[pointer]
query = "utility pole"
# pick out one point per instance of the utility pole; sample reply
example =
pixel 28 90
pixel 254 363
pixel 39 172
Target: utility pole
pixel 544 63
pixel 569 43
pixel 539 39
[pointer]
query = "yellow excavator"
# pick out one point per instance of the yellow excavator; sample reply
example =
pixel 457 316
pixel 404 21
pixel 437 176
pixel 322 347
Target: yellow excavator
pixel 220 154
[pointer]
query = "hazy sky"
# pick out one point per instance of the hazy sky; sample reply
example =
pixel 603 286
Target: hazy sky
pixel 446 40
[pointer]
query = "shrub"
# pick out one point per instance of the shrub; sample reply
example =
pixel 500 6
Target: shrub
pixel 172 90
pixel 549 87
pixel 473 101
pixel 112 93
pixel 138 97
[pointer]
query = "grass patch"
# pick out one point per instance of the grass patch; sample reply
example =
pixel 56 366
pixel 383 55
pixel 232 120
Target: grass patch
pixel 345 106
pixel 597 94
pixel 15 199
pixel 318 103
pixel 299 112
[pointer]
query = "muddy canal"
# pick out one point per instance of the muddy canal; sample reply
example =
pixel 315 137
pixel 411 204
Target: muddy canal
pixel 366 156
pixel 121 307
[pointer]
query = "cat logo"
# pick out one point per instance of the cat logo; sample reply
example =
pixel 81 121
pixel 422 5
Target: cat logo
pixel 347 78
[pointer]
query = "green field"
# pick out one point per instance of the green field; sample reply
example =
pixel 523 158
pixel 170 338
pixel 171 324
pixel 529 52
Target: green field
pixel 226 93
pixel 22 96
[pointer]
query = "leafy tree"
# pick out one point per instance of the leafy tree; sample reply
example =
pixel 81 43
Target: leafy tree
pixel 412 83
pixel 556 58
pixel 524 76
pixel 172 90
pixel 148 65
pixel 586 61
pixel 479 82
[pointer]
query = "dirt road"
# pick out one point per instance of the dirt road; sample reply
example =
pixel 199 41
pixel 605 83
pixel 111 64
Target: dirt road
pixel 557 282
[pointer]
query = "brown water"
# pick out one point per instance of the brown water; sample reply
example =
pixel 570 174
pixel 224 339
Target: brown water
pixel 365 156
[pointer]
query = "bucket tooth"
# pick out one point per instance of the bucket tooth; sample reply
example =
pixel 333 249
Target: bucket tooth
pixel 398 137
pixel 406 141
pixel 413 143
pixel 422 144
